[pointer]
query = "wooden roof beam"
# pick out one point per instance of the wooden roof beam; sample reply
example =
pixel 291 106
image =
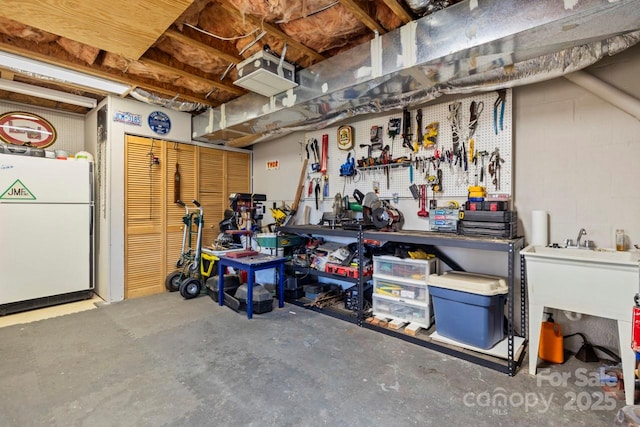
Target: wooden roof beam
pixel 275 32
pixel 213 83
pixel 400 10
pixel 361 10
pixel 212 51
pixel 98 73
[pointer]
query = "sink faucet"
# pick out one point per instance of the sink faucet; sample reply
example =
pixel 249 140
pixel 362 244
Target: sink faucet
pixel 587 244
pixel 581 233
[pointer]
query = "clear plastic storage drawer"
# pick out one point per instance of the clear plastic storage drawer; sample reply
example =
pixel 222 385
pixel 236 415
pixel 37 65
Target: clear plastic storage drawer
pixel 404 290
pixel 394 309
pixel 414 269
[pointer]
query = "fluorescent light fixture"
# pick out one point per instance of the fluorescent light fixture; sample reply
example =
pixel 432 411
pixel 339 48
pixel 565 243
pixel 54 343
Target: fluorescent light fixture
pixel 29 66
pixel 46 93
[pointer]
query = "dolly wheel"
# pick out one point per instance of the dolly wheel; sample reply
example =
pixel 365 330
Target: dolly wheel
pixel 172 283
pixel 190 288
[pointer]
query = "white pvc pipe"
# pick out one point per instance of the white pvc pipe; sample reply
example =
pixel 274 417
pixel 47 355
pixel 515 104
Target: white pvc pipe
pixel 612 95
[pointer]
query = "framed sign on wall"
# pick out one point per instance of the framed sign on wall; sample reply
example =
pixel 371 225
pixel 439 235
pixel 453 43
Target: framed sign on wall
pixel 22 128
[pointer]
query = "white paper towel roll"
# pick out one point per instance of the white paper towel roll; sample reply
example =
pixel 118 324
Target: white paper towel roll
pixel 539 228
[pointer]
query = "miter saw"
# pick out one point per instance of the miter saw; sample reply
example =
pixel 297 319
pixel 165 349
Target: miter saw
pixel 339 213
pixel 381 214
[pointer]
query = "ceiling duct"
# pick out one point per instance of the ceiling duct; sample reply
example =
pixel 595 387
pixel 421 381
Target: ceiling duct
pixel 470 46
pixel 150 98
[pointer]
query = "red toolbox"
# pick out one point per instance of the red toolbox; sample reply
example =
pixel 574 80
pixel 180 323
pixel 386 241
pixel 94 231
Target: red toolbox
pixel 348 271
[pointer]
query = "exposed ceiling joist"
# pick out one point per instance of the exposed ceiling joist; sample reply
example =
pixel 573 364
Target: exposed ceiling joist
pixel 62 63
pixel 205 48
pixel 275 32
pixel 400 10
pixel 6 74
pixel 213 83
pixel 362 12
pixel 98 73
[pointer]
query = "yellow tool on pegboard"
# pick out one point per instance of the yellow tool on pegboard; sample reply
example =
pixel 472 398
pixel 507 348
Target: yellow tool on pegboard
pixel 431 135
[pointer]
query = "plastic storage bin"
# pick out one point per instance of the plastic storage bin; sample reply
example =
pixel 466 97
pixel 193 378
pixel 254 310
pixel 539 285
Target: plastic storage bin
pixel 403 290
pixel 408 312
pixel 414 269
pixel 469 308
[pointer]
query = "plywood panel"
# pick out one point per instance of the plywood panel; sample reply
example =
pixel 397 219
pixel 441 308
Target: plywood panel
pixel 123 27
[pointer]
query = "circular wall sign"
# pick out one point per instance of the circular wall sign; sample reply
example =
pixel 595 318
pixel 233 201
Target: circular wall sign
pixel 20 128
pixel 159 122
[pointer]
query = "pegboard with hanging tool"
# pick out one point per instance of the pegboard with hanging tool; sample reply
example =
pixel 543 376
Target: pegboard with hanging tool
pixel 447 147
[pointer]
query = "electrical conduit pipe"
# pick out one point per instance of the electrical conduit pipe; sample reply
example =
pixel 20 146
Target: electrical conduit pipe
pixel 612 95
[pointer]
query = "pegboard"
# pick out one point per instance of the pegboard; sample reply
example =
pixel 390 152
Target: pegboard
pixel 455 180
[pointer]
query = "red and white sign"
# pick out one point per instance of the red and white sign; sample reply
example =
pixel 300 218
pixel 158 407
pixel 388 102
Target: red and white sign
pixel 635 331
pixel 20 128
pixel 273 164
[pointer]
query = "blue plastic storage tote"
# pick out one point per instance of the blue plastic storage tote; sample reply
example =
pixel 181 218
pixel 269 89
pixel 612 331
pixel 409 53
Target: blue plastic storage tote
pixel 469 308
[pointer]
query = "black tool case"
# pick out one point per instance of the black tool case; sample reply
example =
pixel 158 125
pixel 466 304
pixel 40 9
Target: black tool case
pixel 506 230
pixel 262 298
pixel 231 284
pixel 487 205
pixel 491 216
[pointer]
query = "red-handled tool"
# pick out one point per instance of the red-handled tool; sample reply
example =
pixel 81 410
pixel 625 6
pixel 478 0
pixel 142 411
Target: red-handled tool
pixel 423 201
pixel 324 158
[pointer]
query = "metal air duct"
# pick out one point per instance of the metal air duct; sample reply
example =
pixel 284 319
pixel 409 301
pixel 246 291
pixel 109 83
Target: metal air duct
pixel 470 46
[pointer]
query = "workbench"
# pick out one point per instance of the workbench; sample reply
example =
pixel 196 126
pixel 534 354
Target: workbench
pixel 433 241
pixel 251 264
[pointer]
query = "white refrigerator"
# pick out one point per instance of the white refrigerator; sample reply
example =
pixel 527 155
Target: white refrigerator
pixel 46 231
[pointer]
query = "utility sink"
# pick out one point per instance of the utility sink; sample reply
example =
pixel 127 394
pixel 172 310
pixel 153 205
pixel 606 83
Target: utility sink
pixel 597 282
pixel 607 256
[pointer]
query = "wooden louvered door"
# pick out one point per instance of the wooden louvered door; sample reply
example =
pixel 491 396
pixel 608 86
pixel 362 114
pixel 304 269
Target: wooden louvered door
pixel 185 156
pixel 144 217
pixel 221 173
pixel 154 227
pixel 211 173
pixel 238 172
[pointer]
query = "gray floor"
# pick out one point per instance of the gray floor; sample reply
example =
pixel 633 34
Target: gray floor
pixel 162 360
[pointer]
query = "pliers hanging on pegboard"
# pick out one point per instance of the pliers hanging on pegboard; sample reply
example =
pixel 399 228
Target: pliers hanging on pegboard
pixel 475 109
pixel 499 104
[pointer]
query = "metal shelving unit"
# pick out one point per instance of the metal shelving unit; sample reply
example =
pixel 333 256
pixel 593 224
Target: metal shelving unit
pixel 317 230
pixel 433 241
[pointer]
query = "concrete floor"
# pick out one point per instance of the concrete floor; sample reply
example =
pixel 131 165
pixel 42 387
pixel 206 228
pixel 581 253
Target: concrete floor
pixel 165 361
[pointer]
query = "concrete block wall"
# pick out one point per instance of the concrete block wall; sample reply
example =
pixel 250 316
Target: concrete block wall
pixel 577 158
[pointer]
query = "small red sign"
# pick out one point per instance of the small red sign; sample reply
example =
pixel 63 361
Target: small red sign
pixel 20 128
pixel 635 331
